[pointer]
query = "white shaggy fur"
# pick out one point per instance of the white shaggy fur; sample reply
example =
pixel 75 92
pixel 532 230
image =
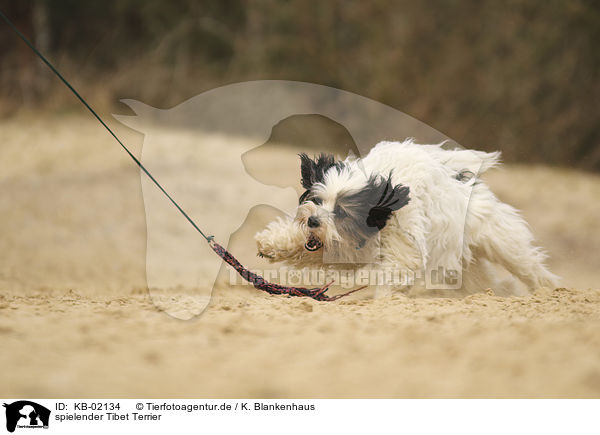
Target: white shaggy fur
pixel 451 223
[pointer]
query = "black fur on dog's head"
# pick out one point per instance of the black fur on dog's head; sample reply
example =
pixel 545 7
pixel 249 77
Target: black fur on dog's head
pixel 357 213
pixel 366 211
pixel 313 170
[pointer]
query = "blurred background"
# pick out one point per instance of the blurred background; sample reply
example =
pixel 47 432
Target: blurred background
pixel 520 75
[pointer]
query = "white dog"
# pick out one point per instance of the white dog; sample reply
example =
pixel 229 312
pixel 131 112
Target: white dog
pixel 419 210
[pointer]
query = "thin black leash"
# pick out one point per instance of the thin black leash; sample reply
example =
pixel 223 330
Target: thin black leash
pixel 93 112
pixel 259 283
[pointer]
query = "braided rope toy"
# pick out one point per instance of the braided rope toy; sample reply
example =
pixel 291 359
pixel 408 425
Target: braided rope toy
pixel 259 282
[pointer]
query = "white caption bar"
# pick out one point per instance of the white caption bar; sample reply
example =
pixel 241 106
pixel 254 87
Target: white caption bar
pixel 305 416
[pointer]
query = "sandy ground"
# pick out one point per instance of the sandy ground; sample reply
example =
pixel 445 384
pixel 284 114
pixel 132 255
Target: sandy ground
pixel 76 319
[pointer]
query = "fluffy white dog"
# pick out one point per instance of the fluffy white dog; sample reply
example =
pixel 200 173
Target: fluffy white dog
pixel 420 212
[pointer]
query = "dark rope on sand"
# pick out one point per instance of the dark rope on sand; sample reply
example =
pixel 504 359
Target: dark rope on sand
pixel 258 282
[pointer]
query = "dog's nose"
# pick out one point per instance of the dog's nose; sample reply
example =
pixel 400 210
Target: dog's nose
pixel 313 222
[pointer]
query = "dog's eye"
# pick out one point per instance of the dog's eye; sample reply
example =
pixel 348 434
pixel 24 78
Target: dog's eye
pixel 308 196
pixel 303 197
pixel 339 212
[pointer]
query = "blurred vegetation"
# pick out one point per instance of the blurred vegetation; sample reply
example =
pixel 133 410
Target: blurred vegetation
pixel 516 75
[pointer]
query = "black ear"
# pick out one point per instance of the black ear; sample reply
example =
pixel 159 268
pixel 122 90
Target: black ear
pixel 390 199
pixel 313 171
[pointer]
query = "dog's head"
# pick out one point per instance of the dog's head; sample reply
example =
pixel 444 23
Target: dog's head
pixel 342 209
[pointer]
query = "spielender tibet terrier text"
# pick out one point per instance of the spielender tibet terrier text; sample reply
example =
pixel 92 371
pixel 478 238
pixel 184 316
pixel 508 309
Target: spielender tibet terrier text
pixel 421 210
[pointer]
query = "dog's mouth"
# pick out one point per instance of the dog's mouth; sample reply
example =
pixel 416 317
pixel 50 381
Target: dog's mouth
pixel 313 243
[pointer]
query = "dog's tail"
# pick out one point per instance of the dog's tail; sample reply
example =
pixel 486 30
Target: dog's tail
pixel 460 160
pixel 486 160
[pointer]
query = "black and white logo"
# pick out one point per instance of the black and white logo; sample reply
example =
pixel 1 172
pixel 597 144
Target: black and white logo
pixel 24 414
